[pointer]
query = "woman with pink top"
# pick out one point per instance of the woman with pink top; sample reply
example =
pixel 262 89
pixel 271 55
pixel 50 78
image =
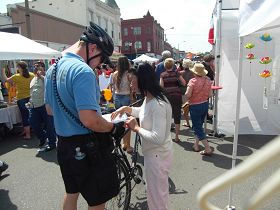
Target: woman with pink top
pixel 198 92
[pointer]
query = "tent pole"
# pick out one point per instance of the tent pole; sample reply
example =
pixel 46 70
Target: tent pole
pixel 217 66
pixel 237 114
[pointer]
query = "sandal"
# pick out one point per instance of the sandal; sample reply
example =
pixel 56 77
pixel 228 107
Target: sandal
pixel 203 152
pixel 186 125
pixel 196 149
pixel 176 140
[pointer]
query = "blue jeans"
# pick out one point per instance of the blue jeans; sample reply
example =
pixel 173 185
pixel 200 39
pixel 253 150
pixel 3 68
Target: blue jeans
pixel 23 111
pixel 43 125
pixel 121 100
pixel 198 113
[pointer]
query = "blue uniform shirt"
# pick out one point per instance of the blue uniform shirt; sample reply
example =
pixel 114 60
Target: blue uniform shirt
pixel 78 88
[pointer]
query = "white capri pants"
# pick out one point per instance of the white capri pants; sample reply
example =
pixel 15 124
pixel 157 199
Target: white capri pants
pixel 157 167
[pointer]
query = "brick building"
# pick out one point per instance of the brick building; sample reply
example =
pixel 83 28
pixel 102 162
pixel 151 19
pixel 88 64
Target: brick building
pixel 142 36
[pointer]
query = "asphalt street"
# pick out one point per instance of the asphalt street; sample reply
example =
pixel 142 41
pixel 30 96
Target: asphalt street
pixel 33 180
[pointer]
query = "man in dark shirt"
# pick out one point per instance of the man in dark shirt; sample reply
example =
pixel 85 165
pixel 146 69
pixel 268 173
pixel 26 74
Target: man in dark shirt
pixel 208 62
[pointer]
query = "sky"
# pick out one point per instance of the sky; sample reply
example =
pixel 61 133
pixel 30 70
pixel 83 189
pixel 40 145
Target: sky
pixel 190 19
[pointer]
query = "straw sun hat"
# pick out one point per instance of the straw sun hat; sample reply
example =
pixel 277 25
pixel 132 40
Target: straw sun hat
pixel 199 69
pixel 187 63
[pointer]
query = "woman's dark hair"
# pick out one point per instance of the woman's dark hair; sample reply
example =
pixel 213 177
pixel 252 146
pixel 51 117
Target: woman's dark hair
pixel 23 66
pixel 147 82
pixel 122 67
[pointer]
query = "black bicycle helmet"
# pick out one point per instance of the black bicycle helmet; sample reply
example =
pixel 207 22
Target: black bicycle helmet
pixel 96 35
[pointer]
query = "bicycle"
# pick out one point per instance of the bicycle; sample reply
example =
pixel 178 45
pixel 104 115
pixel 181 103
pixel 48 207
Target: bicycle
pixel 127 172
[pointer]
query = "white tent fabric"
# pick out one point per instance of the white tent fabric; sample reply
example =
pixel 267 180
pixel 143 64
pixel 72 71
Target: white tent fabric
pixel 258 14
pixel 16 47
pixel 144 58
pixel 253 118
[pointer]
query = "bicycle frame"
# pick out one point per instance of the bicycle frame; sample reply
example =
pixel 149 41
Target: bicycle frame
pixel 118 151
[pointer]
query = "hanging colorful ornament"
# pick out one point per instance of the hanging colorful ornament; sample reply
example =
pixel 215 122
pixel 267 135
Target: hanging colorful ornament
pixel 265 74
pixel 250 56
pixel 249 45
pixel 266 37
pixel 265 60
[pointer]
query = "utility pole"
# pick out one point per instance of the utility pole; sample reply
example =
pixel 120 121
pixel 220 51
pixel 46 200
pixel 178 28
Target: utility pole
pixel 27 19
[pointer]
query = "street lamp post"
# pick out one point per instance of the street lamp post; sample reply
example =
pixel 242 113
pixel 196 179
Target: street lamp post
pixel 179 48
pixel 165 39
pixel 130 46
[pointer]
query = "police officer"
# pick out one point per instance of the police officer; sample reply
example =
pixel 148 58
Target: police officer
pixel 86 170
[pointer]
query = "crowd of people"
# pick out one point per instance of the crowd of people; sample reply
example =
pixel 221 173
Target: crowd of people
pixel 63 109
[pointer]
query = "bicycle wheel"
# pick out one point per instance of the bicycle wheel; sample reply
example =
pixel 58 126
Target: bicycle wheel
pixel 122 200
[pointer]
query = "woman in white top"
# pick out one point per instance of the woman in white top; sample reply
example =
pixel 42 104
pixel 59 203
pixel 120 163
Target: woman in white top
pixel 121 82
pixel 155 116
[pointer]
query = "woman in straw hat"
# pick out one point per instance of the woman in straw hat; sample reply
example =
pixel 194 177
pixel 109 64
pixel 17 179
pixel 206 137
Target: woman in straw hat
pixel 198 92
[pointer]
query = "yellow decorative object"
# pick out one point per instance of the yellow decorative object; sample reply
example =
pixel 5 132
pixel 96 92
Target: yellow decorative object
pixel 107 94
pixel 249 45
pixel 12 91
pixel 265 74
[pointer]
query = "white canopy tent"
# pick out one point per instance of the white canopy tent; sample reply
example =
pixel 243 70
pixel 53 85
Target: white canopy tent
pixel 243 88
pixel 144 58
pixel 253 118
pixel 16 47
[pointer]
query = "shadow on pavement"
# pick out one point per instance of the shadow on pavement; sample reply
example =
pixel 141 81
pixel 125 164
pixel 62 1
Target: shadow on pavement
pixel 220 161
pixel 48 156
pixel 241 150
pixel 140 204
pixel 252 141
pixel 4 176
pixel 173 190
pixel 5 201
pixel 186 145
pixel 14 142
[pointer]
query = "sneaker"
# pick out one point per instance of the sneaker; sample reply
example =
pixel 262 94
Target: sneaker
pixel 42 143
pixel 3 168
pixel 48 148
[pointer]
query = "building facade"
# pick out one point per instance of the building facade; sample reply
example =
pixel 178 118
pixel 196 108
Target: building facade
pixel 76 14
pixel 142 36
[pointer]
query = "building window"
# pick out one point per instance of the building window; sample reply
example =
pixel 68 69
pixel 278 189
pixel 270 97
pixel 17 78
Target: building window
pixel 98 20
pixel 138 45
pixel 91 16
pixel 113 30
pixel 149 46
pixel 149 30
pixel 125 32
pixel 137 30
pixel 127 45
pixel 106 25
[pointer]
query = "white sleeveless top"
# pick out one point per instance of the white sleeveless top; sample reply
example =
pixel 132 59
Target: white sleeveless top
pixel 124 88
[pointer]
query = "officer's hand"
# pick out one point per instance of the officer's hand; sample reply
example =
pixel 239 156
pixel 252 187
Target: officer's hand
pixel 118 131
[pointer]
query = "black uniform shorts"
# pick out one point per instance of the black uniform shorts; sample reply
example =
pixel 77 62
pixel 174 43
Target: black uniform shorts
pixel 94 176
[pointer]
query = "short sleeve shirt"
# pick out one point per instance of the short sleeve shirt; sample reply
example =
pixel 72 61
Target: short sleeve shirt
pixel 200 89
pixel 23 85
pixel 78 89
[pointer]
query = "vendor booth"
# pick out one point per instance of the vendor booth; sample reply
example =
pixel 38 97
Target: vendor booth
pixel 145 58
pixel 17 47
pixel 253 66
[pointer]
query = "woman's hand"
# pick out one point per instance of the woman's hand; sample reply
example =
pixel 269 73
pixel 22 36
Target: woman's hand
pixel 131 122
pixel 119 111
